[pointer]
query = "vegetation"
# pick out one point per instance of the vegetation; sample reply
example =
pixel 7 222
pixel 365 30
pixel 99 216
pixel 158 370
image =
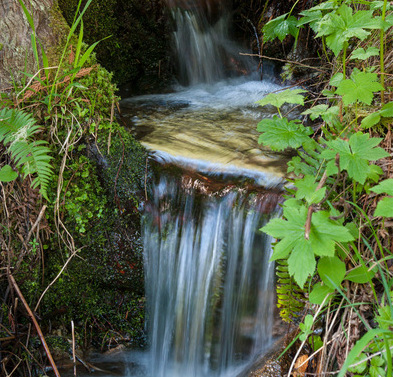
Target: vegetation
pixel 68 213
pixel 334 240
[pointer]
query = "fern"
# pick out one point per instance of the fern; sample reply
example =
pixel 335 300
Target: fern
pixel 17 132
pixel 290 298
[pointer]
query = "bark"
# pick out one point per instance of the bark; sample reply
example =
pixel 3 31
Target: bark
pixel 16 53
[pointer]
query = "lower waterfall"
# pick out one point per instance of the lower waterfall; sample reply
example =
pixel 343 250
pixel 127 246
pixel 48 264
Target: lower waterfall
pixel 209 285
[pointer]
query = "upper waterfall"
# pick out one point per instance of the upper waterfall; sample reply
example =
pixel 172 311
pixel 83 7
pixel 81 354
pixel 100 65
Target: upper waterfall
pixel 202 42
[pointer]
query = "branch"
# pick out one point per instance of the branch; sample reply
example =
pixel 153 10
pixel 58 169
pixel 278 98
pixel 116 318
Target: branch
pixel 36 325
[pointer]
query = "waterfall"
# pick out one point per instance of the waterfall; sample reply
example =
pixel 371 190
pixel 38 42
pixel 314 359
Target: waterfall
pixel 209 285
pixel 202 43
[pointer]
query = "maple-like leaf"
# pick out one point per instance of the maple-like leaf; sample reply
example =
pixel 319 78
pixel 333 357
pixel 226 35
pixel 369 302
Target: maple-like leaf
pixel 340 27
pixel 355 154
pixel 324 233
pixel 280 27
pixel 360 87
pixel 286 96
pixel 279 133
pixel 361 54
pixel 307 189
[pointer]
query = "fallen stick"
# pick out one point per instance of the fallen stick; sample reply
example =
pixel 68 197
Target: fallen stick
pixel 36 325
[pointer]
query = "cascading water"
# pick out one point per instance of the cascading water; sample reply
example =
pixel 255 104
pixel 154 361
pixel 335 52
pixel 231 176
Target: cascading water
pixel 209 285
pixel 205 52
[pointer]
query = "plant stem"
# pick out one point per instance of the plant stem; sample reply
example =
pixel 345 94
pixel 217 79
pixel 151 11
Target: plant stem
pixel 381 52
pixel 345 60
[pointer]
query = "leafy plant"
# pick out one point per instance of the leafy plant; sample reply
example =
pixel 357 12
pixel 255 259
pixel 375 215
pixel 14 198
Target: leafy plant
pixel 17 131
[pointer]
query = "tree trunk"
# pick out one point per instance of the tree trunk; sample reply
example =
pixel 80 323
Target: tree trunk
pixel 16 52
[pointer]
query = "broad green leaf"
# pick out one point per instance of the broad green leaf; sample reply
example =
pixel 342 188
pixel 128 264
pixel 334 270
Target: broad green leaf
pixel 384 208
pixel 324 233
pixel 287 96
pixel 385 187
pixel 280 27
pixel 371 120
pixel 355 155
pixel 387 110
pixel 315 111
pixel 331 270
pixel 360 275
pixel 307 189
pixel 7 174
pixel 301 262
pixel 336 79
pixel 360 87
pixel 311 17
pixel 361 54
pixel 279 133
pixel 375 117
pixel 340 26
pixel 319 293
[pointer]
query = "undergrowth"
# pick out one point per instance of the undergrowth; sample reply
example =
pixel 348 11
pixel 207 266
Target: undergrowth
pixel 66 237
pixel 334 240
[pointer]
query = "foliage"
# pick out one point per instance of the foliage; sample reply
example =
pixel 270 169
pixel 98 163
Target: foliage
pixel 17 131
pixel 322 217
pixel 52 246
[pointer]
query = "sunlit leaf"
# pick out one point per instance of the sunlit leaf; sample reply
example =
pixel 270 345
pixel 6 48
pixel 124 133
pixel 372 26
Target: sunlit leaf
pixel 279 133
pixel 286 96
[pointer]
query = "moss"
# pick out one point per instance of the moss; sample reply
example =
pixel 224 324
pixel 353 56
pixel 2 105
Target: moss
pixel 138 37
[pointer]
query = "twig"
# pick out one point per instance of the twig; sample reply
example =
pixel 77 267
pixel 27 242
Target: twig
pixel 54 280
pixel 311 208
pixel 283 61
pixel 36 223
pixel 36 325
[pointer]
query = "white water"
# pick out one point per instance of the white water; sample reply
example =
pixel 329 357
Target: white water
pixel 209 285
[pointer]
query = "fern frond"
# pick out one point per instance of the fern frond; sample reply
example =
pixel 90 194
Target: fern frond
pixel 17 129
pixel 290 298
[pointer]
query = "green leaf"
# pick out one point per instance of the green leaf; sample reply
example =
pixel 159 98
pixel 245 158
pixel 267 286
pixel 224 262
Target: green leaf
pixel 287 96
pixel 384 319
pixel 324 233
pixel 360 368
pixel 331 270
pixel 371 120
pixel 361 54
pixel 7 174
pixel 360 275
pixel 307 189
pixel 359 88
pixel 311 17
pixel 384 187
pixel 315 111
pixel 319 293
pixel 306 327
pixel 384 208
pixel 355 155
pixel 280 27
pixel 359 346
pixel 336 79
pixel 340 26
pixel 279 133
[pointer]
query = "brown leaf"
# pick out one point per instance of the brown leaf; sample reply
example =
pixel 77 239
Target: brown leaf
pixel 301 366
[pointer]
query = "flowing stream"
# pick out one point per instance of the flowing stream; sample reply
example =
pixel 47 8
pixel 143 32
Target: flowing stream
pixel 209 285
